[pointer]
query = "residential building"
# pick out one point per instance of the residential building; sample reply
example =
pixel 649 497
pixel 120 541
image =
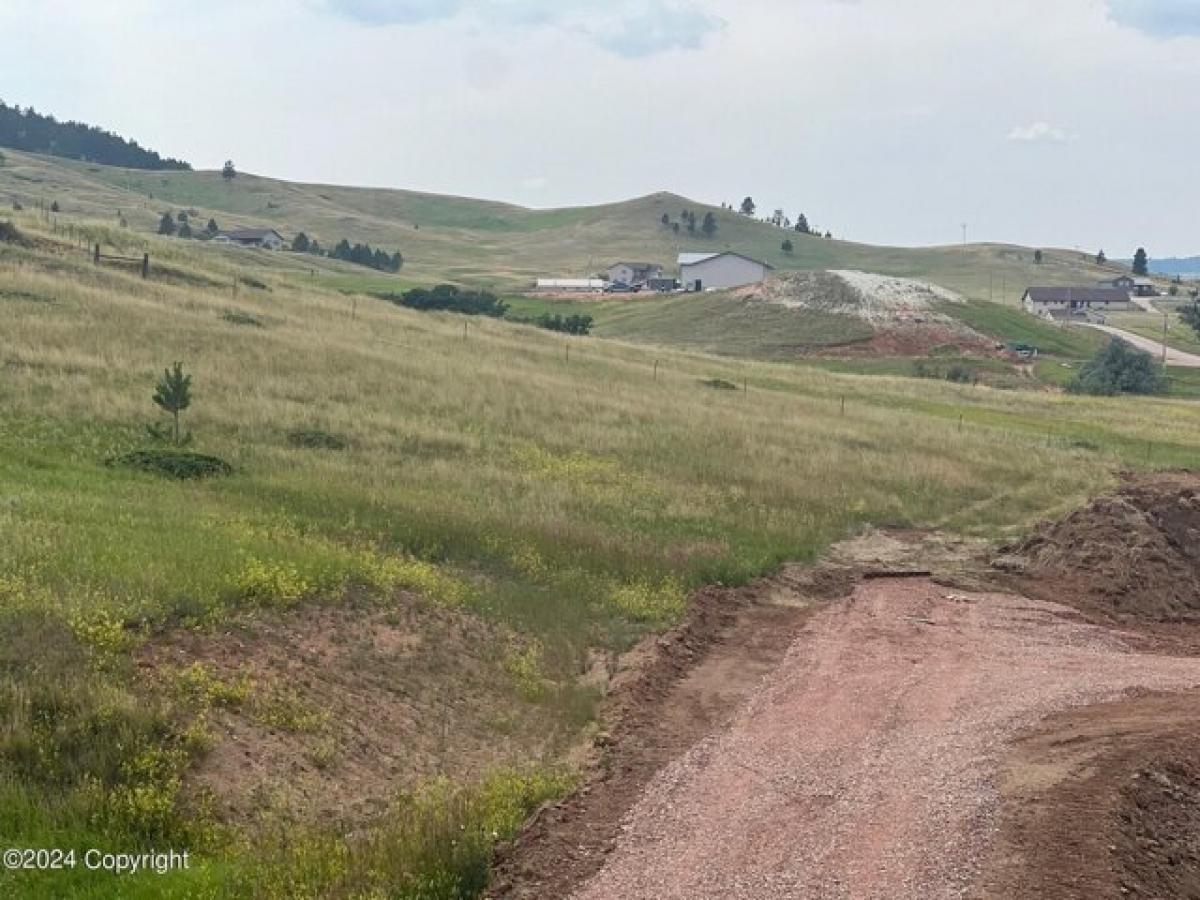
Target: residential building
pixel 262 238
pixel 1066 301
pixel 633 272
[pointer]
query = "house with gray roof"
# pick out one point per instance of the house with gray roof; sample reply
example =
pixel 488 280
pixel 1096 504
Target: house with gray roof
pixel 262 238
pixel 1059 302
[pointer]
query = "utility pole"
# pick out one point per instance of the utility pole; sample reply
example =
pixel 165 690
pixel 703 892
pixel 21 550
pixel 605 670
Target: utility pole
pixel 964 228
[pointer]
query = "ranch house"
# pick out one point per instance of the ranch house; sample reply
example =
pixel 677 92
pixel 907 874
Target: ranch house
pixel 261 238
pixel 632 273
pixel 1057 302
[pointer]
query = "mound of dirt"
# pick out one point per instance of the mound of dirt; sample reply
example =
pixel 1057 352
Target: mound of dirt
pixel 877 299
pixel 1133 554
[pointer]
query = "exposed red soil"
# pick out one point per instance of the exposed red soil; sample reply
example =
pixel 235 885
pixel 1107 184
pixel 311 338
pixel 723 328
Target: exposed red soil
pixel 383 698
pixel 918 341
pixel 1102 802
pixel 919 740
pixel 673 691
pixel 1133 555
pixel 860 767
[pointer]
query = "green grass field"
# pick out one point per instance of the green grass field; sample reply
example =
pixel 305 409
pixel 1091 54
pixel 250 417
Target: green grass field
pixel 568 501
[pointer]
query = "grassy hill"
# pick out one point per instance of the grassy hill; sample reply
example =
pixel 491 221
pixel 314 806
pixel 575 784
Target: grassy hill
pixel 458 239
pixel 454 521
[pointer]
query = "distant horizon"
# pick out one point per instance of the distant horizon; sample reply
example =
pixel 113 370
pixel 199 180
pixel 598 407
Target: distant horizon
pixel 893 131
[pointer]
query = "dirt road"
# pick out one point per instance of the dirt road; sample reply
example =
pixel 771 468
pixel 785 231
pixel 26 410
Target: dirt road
pixel 1154 348
pixel 866 764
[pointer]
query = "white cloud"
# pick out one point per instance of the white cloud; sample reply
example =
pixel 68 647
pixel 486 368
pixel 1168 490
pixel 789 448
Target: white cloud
pixel 630 28
pixel 1040 132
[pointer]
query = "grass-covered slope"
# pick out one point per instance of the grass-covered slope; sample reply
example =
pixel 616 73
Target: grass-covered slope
pixel 479 241
pixel 389 458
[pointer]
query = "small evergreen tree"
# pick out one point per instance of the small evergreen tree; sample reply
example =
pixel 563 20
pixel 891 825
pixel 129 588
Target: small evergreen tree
pixel 787 246
pixel 666 219
pixel 301 243
pixel 211 227
pixel 709 226
pixel 228 172
pixel 1141 262
pixel 185 230
pixel 748 206
pixel 166 225
pixel 1038 257
pixel 173 394
pixel 1101 258
pixel 54 206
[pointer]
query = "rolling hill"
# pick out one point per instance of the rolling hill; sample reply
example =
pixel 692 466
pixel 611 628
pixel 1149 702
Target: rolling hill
pixel 506 246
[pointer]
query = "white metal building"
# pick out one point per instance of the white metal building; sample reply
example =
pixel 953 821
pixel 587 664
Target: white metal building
pixel 716 271
pixel 570 284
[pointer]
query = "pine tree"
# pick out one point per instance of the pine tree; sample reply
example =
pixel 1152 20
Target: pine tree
pixel 173 394
pixel 1101 258
pixel 748 207
pixel 1141 262
pixel 666 220
pixel 228 172
pixel 185 230
pixel 802 224
pixel 1038 256
pixel 211 227
pixel 709 227
pixel 166 225
pixel 301 243
pixel 787 246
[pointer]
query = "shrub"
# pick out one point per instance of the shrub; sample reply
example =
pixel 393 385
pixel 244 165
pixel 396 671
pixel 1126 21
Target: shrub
pixel 719 384
pixel 1118 369
pixel 316 439
pixel 580 325
pixel 449 298
pixel 178 464
pixel 960 374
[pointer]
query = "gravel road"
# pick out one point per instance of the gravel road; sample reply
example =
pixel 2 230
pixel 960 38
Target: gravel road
pixel 1154 348
pixel 864 767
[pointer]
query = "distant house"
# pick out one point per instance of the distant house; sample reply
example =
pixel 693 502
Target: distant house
pixel 1144 287
pixel 1139 287
pixel 570 285
pixel 705 271
pixel 632 273
pixel 262 238
pixel 1066 301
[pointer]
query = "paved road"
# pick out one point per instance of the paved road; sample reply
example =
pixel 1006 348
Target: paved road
pixel 1154 348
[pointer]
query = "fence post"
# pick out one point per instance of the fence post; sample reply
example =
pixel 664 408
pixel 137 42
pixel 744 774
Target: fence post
pixel 656 370
pixel 96 255
pixel 145 265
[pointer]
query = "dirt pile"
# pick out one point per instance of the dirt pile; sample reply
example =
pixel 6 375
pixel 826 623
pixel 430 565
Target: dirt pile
pixel 877 299
pixel 1133 554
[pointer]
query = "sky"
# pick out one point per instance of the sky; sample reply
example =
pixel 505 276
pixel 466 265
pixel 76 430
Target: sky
pixel 1070 123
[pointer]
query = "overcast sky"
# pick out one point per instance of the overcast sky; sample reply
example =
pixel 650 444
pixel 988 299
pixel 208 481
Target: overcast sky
pixel 1043 122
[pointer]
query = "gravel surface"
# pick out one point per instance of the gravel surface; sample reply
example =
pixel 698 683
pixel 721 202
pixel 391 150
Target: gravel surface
pixel 864 766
